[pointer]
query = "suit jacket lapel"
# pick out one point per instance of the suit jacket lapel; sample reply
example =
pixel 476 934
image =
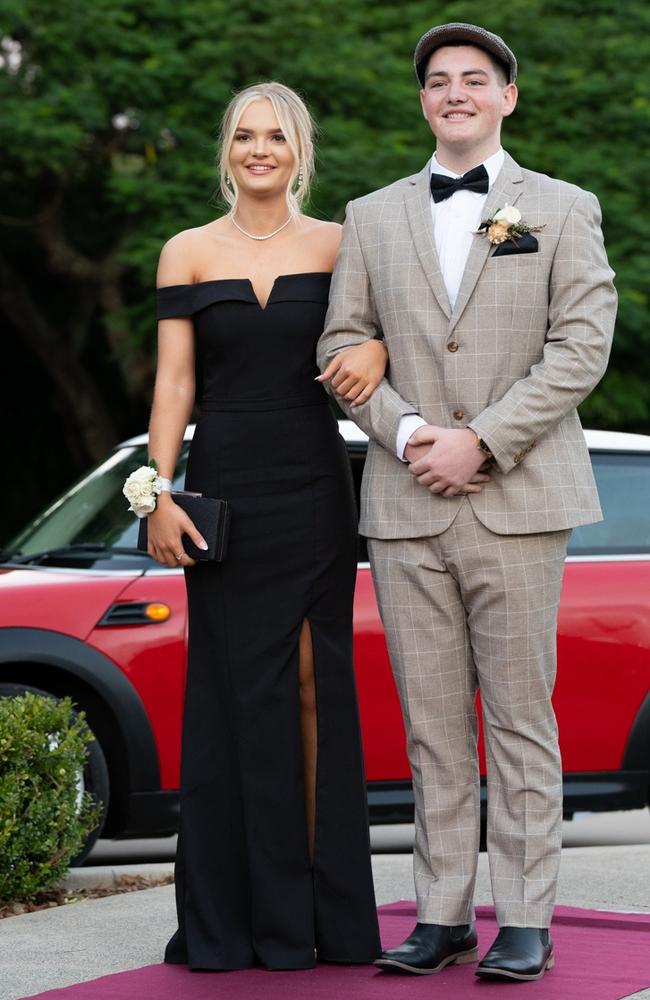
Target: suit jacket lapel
pixel 506 190
pixel 418 211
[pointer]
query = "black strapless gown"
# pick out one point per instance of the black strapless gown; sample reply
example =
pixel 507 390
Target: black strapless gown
pixel 267 440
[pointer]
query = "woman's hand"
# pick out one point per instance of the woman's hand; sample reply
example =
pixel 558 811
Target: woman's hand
pixel 166 525
pixel 357 371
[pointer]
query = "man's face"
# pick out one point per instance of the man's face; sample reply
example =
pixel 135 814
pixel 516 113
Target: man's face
pixel 464 100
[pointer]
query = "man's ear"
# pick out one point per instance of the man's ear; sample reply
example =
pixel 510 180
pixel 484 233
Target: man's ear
pixel 422 95
pixel 510 95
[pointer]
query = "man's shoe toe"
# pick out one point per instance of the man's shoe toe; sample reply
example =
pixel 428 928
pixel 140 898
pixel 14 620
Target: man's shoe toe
pixel 389 964
pixel 430 948
pixel 520 953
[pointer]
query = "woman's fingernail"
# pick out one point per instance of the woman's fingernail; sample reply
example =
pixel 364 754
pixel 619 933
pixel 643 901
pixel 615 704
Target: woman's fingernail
pixel 203 545
pixel 319 378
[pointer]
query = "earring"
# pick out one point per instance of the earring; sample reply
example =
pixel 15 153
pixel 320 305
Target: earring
pixel 300 177
pixel 229 181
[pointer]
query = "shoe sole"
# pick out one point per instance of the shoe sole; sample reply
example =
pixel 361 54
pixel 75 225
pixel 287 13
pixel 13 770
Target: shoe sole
pixel 392 965
pixel 520 976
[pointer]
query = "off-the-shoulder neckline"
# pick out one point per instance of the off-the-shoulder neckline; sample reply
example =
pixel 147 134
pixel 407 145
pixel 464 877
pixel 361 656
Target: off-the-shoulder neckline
pixel 247 281
pixel 218 281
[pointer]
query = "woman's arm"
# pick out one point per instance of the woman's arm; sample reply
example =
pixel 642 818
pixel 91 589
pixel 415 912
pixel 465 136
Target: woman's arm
pixel 172 408
pixel 357 371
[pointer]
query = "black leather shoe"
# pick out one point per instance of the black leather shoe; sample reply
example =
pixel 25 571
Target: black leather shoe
pixel 518 953
pixel 429 948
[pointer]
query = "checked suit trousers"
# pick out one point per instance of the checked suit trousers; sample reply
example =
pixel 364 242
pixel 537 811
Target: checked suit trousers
pixel 464 610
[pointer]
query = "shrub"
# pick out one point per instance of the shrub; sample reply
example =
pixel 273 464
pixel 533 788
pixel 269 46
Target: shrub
pixel 45 816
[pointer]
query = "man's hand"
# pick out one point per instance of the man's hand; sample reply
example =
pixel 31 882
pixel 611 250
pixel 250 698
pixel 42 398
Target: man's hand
pixel 446 461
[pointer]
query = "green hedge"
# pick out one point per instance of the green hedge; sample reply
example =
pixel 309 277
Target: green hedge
pixel 44 816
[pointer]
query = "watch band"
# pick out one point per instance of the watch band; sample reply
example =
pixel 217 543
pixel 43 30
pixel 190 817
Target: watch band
pixel 482 446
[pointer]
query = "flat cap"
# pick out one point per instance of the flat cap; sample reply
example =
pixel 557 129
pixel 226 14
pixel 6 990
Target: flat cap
pixel 467 34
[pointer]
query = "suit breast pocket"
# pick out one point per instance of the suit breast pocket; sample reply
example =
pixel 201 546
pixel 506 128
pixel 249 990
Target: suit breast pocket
pixel 516 268
pixel 514 262
pixel 519 284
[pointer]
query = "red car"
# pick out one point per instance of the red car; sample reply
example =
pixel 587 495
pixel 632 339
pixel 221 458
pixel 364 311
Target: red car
pixel 84 613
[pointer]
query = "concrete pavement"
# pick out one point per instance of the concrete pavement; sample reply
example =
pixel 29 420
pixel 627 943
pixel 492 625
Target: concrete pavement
pixel 78 942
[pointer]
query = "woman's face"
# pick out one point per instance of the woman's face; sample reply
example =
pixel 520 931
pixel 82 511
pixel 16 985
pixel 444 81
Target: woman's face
pixel 260 158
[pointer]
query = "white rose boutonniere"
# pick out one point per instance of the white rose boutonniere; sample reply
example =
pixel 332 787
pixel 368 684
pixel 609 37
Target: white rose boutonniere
pixel 505 224
pixel 508 214
pixel 142 489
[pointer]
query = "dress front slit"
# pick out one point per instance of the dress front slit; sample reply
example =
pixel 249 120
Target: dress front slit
pixel 249 889
pixel 309 728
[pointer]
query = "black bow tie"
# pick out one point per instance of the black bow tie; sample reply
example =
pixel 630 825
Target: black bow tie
pixel 443 187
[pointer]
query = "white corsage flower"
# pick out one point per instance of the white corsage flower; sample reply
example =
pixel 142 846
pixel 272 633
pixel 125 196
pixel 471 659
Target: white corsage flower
pixel 508 214
pixel 142 489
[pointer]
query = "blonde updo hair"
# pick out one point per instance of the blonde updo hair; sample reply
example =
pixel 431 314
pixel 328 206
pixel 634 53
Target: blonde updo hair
pixel 298 127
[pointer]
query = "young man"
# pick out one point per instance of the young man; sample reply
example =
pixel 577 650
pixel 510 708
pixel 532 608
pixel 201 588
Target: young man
pixel 496 328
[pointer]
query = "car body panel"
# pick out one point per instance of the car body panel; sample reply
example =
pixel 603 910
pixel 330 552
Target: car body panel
pixel 603 660
pixel 384 741
pixel 153 658
pixel 51 598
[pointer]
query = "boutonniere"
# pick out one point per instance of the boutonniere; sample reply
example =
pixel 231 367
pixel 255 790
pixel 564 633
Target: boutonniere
pixel 505 224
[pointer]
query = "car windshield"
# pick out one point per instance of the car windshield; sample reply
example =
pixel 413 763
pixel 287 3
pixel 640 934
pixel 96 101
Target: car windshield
pixel 91 516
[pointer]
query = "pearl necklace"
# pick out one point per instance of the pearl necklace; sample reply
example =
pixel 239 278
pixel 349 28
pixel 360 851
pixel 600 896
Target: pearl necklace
pixel 252 237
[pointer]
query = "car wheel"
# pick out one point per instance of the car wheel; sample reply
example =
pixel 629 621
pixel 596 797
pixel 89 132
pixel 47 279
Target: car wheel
pixel 94 777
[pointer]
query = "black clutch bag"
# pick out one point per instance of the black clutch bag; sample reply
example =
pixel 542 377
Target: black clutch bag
pixel 212 520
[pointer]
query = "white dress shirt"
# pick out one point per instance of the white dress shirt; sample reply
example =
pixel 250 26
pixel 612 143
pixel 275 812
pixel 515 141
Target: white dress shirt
pixel 454 221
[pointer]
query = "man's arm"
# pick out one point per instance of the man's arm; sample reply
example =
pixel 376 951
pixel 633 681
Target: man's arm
pixel 352 319
pixel 582 310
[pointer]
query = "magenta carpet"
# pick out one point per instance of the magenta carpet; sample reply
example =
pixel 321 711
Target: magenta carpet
pixel 599 956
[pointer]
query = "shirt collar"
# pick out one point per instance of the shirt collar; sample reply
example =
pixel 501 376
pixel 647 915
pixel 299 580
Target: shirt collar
pixel 493 165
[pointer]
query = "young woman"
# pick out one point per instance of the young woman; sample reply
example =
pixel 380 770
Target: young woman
pixel 273 863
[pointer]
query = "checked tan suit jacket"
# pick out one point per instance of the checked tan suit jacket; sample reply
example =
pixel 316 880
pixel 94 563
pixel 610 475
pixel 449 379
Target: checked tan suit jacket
pixel 527 340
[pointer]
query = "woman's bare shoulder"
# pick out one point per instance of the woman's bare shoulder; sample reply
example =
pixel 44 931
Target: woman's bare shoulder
pixel 326 236
pixel 326 230
pixel 182 254
pixel 176 263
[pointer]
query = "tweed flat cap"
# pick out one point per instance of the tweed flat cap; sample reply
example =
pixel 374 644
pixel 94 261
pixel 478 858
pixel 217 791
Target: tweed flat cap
pixel 469 34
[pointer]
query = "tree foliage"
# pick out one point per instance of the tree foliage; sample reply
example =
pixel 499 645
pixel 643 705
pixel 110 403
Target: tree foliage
pixel 109 114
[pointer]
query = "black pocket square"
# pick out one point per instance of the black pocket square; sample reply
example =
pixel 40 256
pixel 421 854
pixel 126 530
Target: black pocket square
pixel 525 244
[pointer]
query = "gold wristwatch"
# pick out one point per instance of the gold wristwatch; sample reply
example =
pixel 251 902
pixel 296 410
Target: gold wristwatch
pixel 482 446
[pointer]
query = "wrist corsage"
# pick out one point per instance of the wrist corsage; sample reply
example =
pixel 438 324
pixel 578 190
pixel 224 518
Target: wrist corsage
pixel 505 224
pixel 143 487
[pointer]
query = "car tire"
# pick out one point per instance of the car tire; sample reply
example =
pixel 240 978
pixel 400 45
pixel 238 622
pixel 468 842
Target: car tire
pixel 95 776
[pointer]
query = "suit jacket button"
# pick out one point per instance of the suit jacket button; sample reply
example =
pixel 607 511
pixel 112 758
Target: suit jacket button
pixel 452 346
pixel 458 414
pixel 517 459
